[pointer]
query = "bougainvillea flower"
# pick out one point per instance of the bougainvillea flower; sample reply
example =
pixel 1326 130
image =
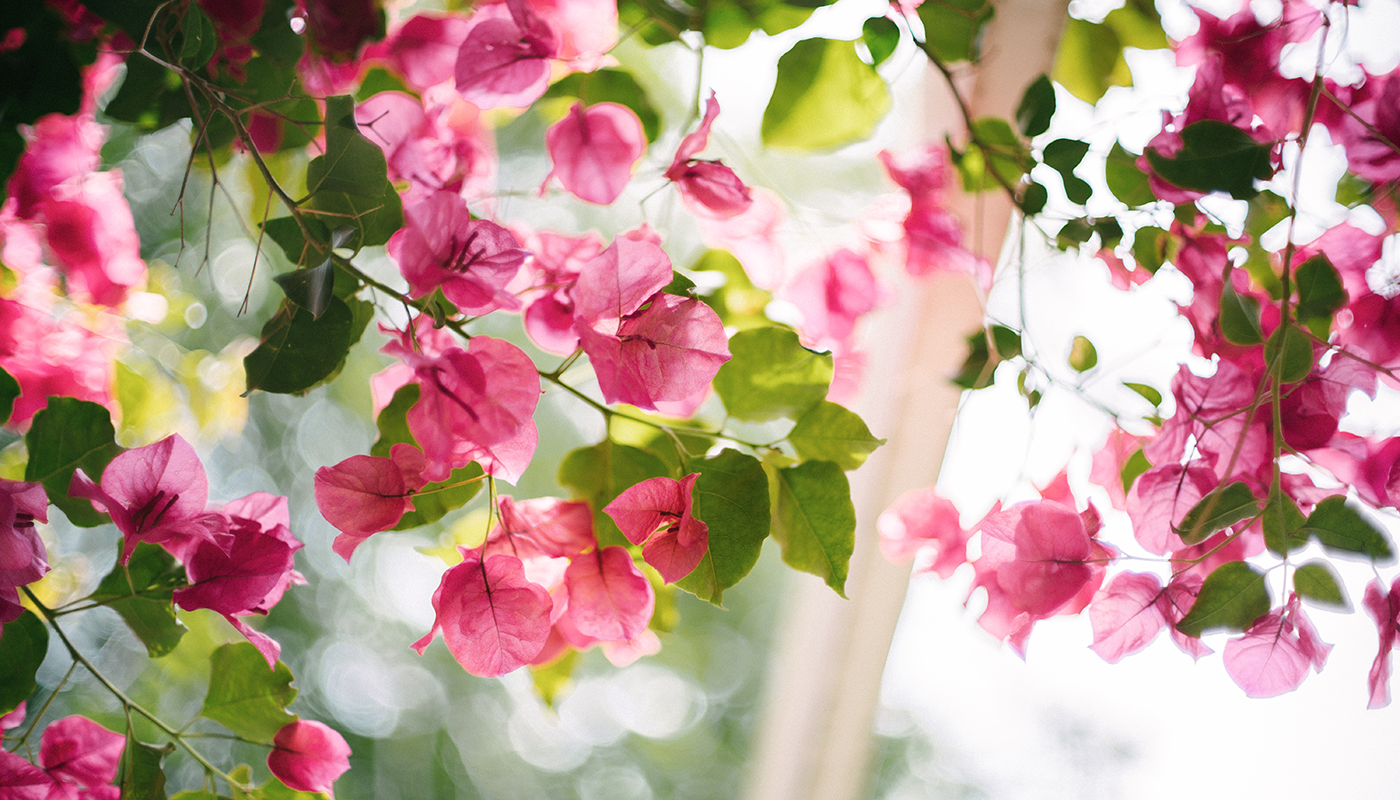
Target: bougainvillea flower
pixel 21 780
pixel 1384 607
pixel 337 28
pixel 471 259
pixel 473 402
pixel 542 526
pixel 1129 612
pixel 609 598
pixel 424 49
pixel 1273 656
pixel 435 144
pixel 554 266
pixel 670 350
pixel 492 618
pixel 58 148
pixel 708 184
pixel 593 149
pixel 1371 146
pixel 585 29
pixel 364 495
pixel 308 756
pixel 23 558
pixel 93 236
pixel 79 751
pixel 15 718
pixel 248 579
pixel 656 514
pixel 618 282
pixel 832 295
pixel 1107 467
pixel 56 356
pixel 156 494
pixel 504 59
pixel 1160 498
pixel 932 234
pixel 922 524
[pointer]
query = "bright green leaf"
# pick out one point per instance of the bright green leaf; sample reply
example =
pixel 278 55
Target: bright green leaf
pixel 830 432
pixel 814 520
pixel 1215 157
pixel 881 37
pixel 1133 468
pixel 67 435
pixel 825 97
pixel 1082 355
pixel 1232 598
pixel 141 592
pixel 1289 351
pixel 1128 183
pixel 598 474
pixel 731 497
pixel 553 678
pixel 1221 508
pixel 1002 151
pixel 1320 294
pixel 23 644
pixel 1036 108
pixel 1316 582
pixel 770 375
pixel 1148 393
pixel 1239 317
pixel 1150 248
pixel 1085 59
pixel 432 502
pixel 1343 530
pixel 245 696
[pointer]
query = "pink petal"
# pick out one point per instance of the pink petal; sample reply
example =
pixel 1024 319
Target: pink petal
pixel 362 495
pixel 308 756
pixel 1160 499
pixel 503 61
pixel 668 351
pixel 678 550
pixel 641 509
pixel 621 654
pixel 609 598
pixel 492 618
pixel 593 150
pixel 266 645
pixel 1049 568
pixel 694 142
pixel 1126 615
pixel 21 780
pixel 258 564
pixel 1383 607
pixel 79 750
pixel 425 49
pixel 14 719
pixel 1268 660
pixel 554 527
pixel 924 524
pixel 618 282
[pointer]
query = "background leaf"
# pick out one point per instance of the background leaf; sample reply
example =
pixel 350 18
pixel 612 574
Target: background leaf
pixel 245 696
pixel 23 644
pixel 825 97
pixel 830 432
pixel 598 474
pixel 66 435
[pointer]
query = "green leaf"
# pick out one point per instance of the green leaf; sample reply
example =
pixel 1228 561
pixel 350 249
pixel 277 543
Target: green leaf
pixel 814 520
pixel 9 392
pixel 1001 150
pixel 1128 183
pixel 881 37
pixel 825 97
pixel 373 218
pixel 1320 294
pixel 309 288
pixel 1109 231
pixel 352 163
pixel 953 28
pixel 1232 598
pixel 598 474
pixel 1316 582
pixel 1074 233
pixel 199 37
pixel 1221 508
pixel 67 435
pixel 275 38
pixel 1289 351
pixel 1343 530
pixel 1150 248
pixel 1282 523
pixel 829 432
pixel 299 351
pixel 610 85
pixel 245 696
pixel 141 775
pixel 1239 317
pixel 770 375
pixel 195 794
pixel 976 372
pixel 1215 157
pixel 393 421
pixel 1063 155
pixel 1033 199
pixel 141 592
pixel 1148 393
pixel 1090 55
pixel 1136 464
pixel 1082 355
pixel 1037 107
pixel 432 502
pixel 23 644
pixel 731 497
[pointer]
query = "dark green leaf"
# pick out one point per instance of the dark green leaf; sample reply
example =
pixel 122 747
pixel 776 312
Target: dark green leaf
pixel 1063 155
pixel 600 473
pixel 42 75
pixel 23 645
pixel 731 497
pixel 1109 231
pixel 1343 530
pixel 275 38
pixel 881 37
pixel 287 234
pixel 65 436
pixel 953 28
pixel 1136 464
pixel 770 375
pixel 393 421
pixel 1239 317
pixel 976 371
pixel 199 39
pixel 309 288
pixel 1289 351
pixel 1320 294
pixel 680 285
pixel 1221 508
pixel 373 219
pixel 1215 157
pixel 1150 248
pixel 1282 523
pixel 829 432
pixel 1074 233
pixel 141 593
pixel 1036 108
pixel 1316 582
pixel 1148 393
pixel 245 696
pixel 141 775
pixel 1033 199
pixel 352 163
pixel 299 351
pixel 1082 355
pixel 136 97
pixel 825 96
pixel 9 392
pixel 814 520
pixel 610 85
pixel 1232 598
pixel 1128 183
